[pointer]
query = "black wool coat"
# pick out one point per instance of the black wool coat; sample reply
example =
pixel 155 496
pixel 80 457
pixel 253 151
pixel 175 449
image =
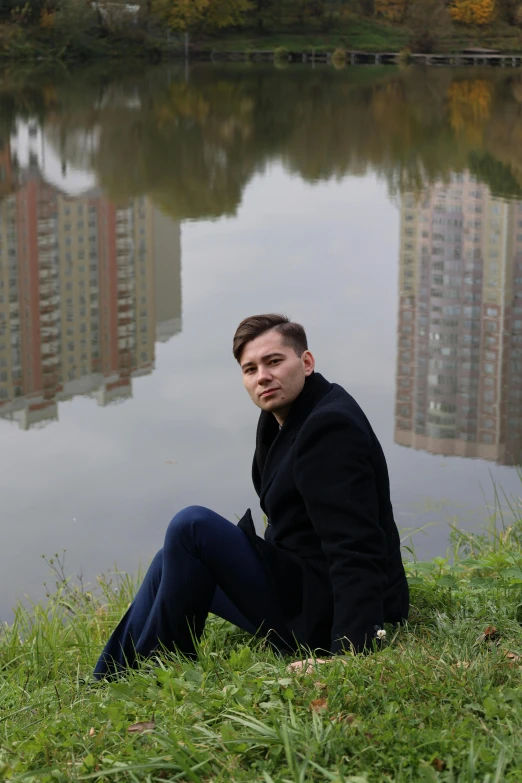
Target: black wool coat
pixel 331 546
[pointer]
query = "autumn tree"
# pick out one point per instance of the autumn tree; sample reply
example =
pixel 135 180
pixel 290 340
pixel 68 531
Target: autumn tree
pixel 394 10
pixel 201 15
pixel 478 12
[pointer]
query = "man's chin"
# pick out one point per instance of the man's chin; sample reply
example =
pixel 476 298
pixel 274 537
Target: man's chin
pixel 267 405
pixel 270 405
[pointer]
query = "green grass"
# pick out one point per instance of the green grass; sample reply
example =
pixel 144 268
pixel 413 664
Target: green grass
pixel 499 36
pixel 362 34
pixel 366 35
pixel 439 703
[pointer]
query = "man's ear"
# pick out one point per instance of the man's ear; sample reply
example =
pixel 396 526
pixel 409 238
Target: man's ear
pixel 308 362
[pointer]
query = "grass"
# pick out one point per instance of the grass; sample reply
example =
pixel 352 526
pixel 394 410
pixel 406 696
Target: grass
pixel 366 35
pixel 361 34
pixel 496 36
pixel 441 702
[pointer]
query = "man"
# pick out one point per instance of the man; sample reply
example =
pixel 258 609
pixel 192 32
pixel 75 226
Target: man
pixel 328 573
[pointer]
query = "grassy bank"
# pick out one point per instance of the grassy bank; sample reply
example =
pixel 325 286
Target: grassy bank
pixel 441 702
pixel 74 40
pixel 361 34
pixel 364 35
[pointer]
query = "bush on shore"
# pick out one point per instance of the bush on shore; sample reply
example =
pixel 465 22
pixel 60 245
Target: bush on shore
pixel 441 702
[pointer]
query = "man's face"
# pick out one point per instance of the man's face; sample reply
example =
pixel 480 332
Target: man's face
pixel 273 374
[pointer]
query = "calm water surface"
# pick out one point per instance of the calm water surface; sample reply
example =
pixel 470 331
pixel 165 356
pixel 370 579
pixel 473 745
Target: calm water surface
pixel 143 217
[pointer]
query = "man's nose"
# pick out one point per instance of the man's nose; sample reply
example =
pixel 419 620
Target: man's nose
pixel 263 374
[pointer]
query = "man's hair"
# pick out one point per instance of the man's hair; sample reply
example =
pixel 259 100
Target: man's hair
pixel 255 325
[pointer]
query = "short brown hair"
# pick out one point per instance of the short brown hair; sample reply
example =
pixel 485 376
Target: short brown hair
pixel 255 325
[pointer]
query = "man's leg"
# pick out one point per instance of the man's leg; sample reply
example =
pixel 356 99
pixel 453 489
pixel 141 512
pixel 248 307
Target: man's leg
pixel 206 564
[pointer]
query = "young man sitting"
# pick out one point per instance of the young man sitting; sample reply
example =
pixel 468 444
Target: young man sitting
pixel 328 573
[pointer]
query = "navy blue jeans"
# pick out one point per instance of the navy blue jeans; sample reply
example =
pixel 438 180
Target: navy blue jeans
pixel 207 564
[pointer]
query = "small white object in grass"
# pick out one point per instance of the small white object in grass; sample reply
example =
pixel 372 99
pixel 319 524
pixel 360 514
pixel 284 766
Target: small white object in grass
pixel 381 633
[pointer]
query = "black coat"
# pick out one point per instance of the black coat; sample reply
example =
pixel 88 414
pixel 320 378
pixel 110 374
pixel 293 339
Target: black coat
pixel 331 546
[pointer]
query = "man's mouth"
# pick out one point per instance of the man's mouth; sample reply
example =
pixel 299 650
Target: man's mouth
pixel 266 392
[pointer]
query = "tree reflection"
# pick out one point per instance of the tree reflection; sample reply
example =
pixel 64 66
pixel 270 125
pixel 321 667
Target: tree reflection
pixel 193 143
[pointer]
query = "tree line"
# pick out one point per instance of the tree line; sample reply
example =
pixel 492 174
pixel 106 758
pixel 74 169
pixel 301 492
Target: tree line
pixel 207 16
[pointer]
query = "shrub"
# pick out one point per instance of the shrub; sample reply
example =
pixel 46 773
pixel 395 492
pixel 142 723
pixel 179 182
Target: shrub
pixel 76 26
pixel 21 11
pixel 281 54
pixel 404 56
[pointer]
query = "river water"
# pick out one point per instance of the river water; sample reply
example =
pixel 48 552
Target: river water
pixel 142 216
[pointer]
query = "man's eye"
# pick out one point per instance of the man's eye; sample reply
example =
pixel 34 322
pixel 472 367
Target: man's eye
pixel 275 361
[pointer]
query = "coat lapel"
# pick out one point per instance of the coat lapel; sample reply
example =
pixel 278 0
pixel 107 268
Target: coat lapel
pixel 272 443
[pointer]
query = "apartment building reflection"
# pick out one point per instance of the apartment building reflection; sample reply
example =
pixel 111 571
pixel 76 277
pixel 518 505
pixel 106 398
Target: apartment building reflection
pixel 79 283
pixel 459 357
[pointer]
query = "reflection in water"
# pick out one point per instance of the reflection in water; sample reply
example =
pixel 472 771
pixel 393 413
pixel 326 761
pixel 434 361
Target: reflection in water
pixel 90 278
pixel 193 142
pixel 459 370
pixel 85 289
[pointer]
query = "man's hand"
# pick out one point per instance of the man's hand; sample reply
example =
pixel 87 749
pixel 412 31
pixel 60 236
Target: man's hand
pixel 307 666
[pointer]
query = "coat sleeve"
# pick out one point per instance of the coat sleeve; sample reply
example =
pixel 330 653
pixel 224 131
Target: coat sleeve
pixel 334 473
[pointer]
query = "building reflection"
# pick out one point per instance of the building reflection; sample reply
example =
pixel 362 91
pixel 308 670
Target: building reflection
pixel 86 287
pixel 459 358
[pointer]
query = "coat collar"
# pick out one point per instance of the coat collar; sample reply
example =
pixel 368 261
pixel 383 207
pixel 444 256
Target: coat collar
pixel 272 443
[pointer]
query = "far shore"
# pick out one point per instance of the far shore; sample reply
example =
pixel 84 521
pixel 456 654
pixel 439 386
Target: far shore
pixel 363 41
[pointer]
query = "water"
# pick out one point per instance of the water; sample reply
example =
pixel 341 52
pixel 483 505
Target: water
pixel 141 218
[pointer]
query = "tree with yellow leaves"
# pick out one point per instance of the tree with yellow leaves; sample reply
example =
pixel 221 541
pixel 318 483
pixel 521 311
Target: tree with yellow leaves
pixel 393 10
pixel 479 12
pixel 201 15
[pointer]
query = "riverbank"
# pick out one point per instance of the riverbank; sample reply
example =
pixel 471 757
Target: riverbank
pixel 75 40
pixel 441 702
pixel 364 35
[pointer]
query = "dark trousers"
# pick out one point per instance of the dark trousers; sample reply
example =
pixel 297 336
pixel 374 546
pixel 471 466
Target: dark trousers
pixel 206 565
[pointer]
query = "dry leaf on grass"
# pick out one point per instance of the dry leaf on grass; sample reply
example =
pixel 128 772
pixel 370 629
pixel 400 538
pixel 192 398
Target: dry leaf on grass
pixel 343 717
pixel 489 634
pixel 462 664
pixel 513 658
pixel 317 705
pixel 439 764
pixel 321 686
pixel 142 726
pixel 92 731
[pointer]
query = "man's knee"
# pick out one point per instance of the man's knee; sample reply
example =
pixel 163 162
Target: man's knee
pixel 182 526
